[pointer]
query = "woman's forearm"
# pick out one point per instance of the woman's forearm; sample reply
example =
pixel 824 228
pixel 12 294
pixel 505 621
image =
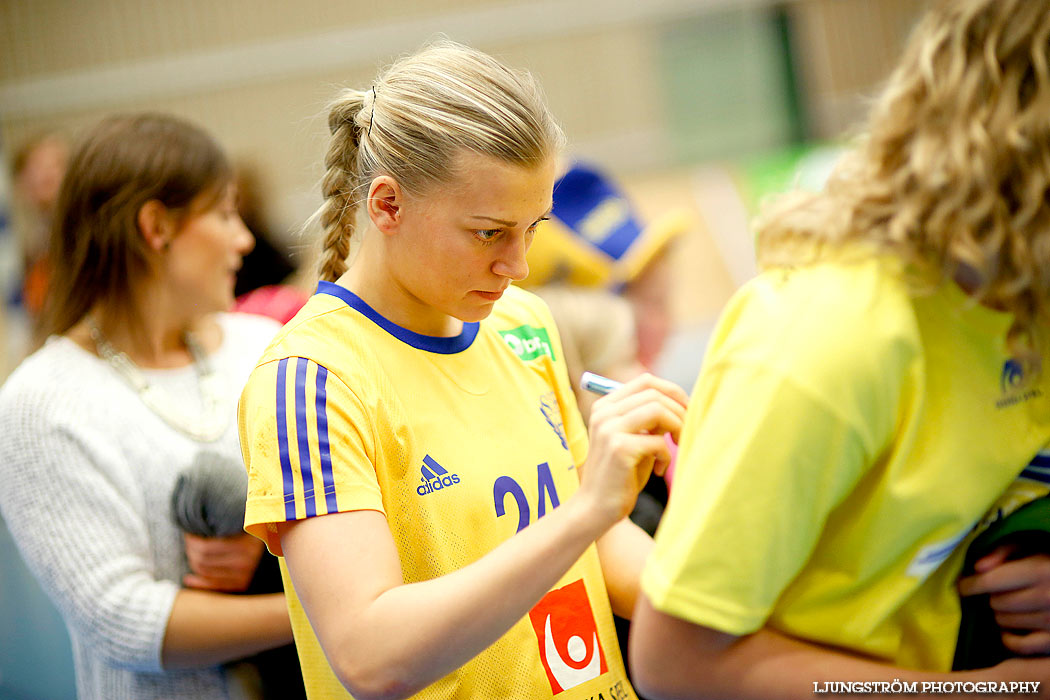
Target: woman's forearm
pixel 394 640
pixel 674 659
pixel 623 551
pixel 208 628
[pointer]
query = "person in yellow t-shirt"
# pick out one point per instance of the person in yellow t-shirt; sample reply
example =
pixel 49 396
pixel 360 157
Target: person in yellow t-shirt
pixel 413 448
pixel 870 398
pixel 595 240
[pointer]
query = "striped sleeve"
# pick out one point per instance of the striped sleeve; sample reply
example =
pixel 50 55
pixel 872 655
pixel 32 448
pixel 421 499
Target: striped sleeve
pixel 305 438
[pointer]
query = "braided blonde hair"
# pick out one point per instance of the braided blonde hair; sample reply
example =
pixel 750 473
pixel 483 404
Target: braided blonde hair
pixel 954 174
pixel 412 123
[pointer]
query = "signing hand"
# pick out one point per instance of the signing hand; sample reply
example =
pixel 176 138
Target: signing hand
pixel 627 441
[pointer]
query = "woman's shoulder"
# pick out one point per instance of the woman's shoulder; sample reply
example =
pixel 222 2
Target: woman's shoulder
pixel 58 364
pixel 847 294
pixel 838 314
pixel 248 328
pixel 326 332
pixel 54 385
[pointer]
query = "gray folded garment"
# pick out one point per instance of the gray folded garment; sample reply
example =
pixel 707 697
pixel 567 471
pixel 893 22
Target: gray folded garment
pixel 209 496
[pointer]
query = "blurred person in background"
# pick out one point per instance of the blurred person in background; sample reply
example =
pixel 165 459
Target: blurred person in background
pixel 10 273
pixel 877 399
pixel 597 329
pixel 138 377
pixel 594 239
pixel 39 166
pixel 265 282
pixel 596 243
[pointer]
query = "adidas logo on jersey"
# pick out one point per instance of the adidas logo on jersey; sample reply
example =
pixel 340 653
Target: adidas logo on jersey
pixel 434 477
pixel 1016 382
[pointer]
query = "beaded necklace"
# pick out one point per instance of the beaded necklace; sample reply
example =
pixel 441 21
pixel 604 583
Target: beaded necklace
pixel 206 426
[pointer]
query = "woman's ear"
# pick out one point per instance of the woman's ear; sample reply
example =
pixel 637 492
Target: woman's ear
pixel 156 225
pixel 384 204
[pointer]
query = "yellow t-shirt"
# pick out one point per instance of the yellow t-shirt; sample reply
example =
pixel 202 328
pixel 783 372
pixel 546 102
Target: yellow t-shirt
pixel 842 442
pixel 461 442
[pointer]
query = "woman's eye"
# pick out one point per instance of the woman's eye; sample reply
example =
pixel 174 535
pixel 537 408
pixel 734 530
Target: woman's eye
pixel 538 222
pixel 487 234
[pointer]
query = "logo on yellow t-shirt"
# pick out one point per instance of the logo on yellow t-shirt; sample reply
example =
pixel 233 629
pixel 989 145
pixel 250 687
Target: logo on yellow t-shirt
pixel 434 477
pixel 551 411
pixel 528 342
pixel 1015 383
pixel 568 637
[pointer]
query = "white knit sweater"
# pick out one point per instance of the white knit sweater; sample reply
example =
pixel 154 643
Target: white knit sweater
pixel 87 472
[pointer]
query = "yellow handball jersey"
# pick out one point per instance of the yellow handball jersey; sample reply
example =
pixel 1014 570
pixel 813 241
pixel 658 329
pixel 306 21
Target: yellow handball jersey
pixel 461 442
pixel 843 443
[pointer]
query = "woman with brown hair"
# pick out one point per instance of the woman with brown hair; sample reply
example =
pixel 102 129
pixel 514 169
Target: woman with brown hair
pixel 138 378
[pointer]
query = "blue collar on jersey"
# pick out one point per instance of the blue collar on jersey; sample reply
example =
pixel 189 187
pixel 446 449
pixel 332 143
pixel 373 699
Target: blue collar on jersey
pixel 430 343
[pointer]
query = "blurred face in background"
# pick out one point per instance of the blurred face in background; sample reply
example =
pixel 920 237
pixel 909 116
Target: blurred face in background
pixel 200 266
pixel 650 295
pixel 40 177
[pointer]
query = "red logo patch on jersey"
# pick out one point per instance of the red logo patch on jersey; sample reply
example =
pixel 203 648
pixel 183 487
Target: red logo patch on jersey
pixel 568 637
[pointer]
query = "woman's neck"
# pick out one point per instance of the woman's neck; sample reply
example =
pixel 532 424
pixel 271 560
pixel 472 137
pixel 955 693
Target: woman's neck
pixel 369 278
pixel 150 340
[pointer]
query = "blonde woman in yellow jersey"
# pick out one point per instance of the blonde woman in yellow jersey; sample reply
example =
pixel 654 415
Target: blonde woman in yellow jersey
pixel 413 448
pixel 869 402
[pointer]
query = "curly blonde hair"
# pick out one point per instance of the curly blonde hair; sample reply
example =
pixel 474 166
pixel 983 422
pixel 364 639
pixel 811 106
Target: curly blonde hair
pixel 953 175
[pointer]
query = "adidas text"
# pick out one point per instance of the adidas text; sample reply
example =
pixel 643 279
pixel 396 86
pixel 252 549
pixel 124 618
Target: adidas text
pixel 436 484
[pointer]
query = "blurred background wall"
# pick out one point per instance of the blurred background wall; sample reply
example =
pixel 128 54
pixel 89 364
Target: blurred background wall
pixel 710 104
pixel 653 91
pixel 639 86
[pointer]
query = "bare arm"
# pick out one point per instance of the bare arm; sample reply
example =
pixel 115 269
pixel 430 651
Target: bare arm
pixel 623 550
pixel 361 624
pixel 208 628
pixel 346 570
pixel 673 658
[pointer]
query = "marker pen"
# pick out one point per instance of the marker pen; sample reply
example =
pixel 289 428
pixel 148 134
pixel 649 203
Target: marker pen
pixel 597 384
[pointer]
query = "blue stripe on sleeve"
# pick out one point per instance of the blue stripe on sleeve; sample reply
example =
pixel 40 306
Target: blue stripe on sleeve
pixel 327 477
pixel 304 437
pixel 282 441
pixel 1041 460
pixel 1034 473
